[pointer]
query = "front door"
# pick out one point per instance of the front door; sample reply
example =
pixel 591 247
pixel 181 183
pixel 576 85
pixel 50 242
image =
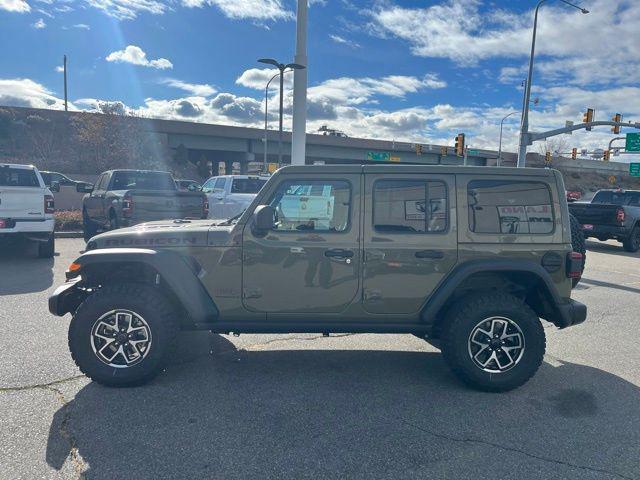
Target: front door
pixel 309 262
pixel 410 239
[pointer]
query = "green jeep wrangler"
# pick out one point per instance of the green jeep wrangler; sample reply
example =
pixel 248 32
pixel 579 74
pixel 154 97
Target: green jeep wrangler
pixel 468 258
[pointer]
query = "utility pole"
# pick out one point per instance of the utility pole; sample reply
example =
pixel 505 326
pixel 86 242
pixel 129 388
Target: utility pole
pixel 299 135
pixel 64 63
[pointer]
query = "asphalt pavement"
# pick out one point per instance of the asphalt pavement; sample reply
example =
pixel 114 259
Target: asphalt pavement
pixel 304 406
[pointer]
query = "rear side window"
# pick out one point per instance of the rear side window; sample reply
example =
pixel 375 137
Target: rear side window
pixel 511 207
pixel 247 185
pixel 18 177
pixel 410 206
pixel 143 181
pixel 616 198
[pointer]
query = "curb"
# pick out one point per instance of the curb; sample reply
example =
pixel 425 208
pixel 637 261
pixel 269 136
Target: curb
pixel 68 235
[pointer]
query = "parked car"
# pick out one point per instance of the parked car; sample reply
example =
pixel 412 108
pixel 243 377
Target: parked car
pixel 188 185
pixel 467 258
pixel 26 207
pixel 61 179
pixel 230 194
pixel 121 198
pixel 611 214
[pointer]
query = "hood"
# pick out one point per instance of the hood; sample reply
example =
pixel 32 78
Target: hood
pixel 165 234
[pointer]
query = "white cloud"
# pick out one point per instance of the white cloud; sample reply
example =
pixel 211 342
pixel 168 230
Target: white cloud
pixel 24 92
pixel 19 6
pixel 344 41
pixel 199 90
pixel 258 77
pixel 82 26
pixel 59 69
pixel 129 9
pixel 136 56
pixel 247 9
pixel 39 24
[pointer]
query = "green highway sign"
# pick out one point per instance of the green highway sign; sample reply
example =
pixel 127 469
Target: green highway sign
pixel 633 142
pixel 473 152
pixel 378 156
pixel 634 169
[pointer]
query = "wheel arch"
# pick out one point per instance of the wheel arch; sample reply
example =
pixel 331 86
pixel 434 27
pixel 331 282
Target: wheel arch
pixel 172 273
pixel 524 279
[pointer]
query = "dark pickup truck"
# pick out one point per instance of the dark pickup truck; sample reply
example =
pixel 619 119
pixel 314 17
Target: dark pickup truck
pixel 122 198
pixel 611 214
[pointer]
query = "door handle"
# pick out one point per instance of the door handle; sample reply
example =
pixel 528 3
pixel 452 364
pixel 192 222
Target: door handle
pixel 338 253
pixel 430 254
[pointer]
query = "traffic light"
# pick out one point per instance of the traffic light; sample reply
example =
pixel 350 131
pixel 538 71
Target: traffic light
pixel 606 155
pixel 459 145
pixel 443 150
pixel 616 118
pixel 588 116
pixel 574 153
pixel 547 158
pixel 418 149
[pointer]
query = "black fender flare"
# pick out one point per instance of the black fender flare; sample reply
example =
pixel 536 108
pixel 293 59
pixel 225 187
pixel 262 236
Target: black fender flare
pixel 180 276
pixel 559 311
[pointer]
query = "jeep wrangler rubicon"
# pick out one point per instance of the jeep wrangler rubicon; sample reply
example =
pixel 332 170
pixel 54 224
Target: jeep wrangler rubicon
pixel 468 258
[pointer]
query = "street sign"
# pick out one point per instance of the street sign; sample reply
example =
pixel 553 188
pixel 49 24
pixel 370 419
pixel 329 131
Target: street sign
pixel 473 152
pixel 634 169
pixel 568 124
pixel 394 158
pixel 272 167
pixel 633 142
pixel 378 156
pixel 612 179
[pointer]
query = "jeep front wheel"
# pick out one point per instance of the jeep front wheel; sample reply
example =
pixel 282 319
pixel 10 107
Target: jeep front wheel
pixel 493 342
pixel 122 335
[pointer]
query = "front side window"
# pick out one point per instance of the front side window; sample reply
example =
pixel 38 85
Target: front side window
pixel 410 206
pixel 509 206
pixel 317 206
pixel 219 185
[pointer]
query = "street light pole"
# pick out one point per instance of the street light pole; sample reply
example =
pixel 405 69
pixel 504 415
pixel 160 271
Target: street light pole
pixel 299 123
pixel 266 125
pixel 500 143
pixel 524 123
pixel 281 67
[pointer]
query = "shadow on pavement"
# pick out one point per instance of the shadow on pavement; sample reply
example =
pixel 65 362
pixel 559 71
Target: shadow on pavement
pixel 348 414
pixel 613 249
pixel 21 271
pixel 599 283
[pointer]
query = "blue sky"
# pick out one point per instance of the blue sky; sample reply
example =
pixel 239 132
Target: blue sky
pixel 394 69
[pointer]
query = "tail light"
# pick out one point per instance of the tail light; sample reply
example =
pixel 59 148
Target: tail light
pixel 620 215
pixel 574 264
pixel 49 205
pixel 127 205
pixel 205 207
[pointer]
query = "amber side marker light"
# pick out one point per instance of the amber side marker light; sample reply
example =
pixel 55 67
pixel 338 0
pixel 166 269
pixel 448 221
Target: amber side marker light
pixel 74 267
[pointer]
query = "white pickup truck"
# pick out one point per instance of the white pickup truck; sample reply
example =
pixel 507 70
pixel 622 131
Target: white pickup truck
pixel 229 195
pixel 26 207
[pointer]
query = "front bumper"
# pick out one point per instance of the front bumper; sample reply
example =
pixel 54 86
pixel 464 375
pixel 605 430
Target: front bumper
pixel 571 313
pixel 66 298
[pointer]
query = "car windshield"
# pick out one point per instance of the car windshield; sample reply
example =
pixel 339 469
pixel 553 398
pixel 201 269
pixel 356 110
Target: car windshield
pixel 247 185
pixel 18 177
pixel 143 181
pixel 616 198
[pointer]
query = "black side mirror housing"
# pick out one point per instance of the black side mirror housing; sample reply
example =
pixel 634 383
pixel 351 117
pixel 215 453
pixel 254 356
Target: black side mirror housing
pixel 54 187
pixel 84 188
pixel 263 218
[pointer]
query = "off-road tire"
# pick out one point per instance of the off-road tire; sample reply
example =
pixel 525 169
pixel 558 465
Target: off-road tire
pixel 579 244
pixel 47 249
pixel 466 315
pixel 89 228
pixel 145 301
pixel 632 242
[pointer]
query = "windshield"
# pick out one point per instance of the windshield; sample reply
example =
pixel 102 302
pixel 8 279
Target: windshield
pixel 18 177
pixel 247 185
pixel 617 198
pixel 143 181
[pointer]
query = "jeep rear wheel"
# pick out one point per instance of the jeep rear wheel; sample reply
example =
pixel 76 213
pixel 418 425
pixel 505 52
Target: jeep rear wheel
pixel 493 342
pixel 122 335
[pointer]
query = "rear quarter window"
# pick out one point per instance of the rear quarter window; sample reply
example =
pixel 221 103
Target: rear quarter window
pixel 509 207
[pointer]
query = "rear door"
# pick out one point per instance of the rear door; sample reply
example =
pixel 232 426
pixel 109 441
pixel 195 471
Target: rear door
pixel 94 201
pixel 410 239
pixel 21 195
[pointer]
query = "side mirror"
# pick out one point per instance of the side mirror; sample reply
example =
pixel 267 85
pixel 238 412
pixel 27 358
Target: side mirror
pixel 263 218
pixel 54 187
pixel 84 188
pixel 194 188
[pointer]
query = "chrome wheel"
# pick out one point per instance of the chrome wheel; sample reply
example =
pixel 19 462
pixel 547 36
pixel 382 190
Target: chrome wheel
pixel 496 344
pixel 121 338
